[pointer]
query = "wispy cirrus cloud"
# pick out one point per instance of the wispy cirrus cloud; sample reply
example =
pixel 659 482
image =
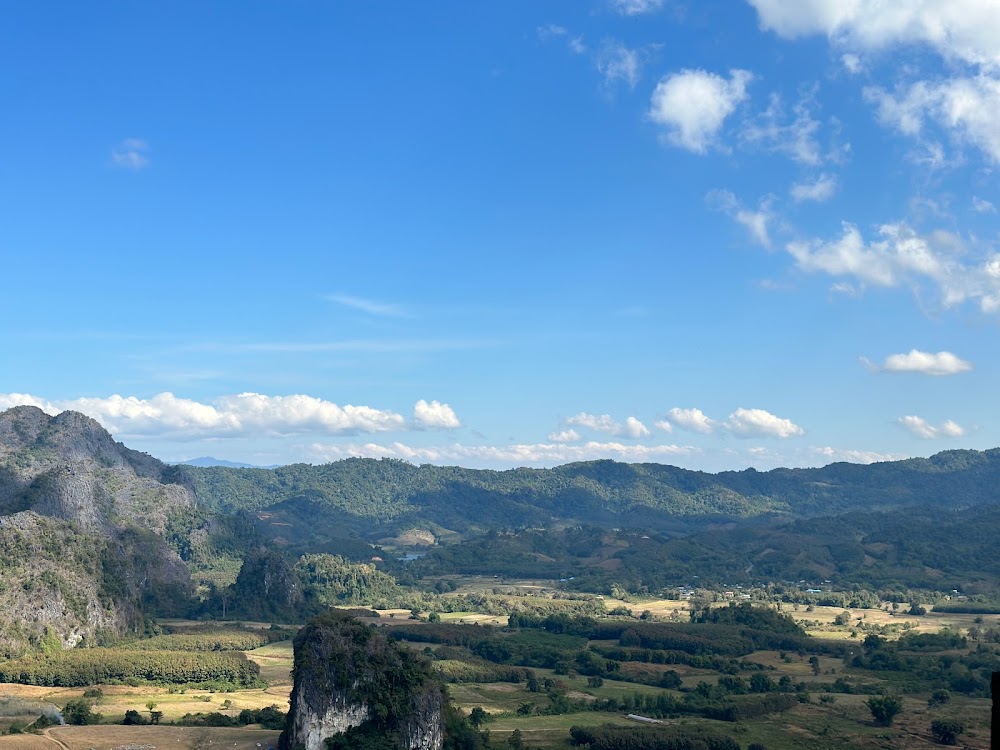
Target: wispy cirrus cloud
pixel 370 306
pixel 757 222
pixel 636 7
pixel 819 189
pixel 555 31
pixel 131 153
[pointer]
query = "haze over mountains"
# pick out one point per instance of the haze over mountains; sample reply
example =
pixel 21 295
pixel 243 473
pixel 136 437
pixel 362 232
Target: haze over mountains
pixel 93 535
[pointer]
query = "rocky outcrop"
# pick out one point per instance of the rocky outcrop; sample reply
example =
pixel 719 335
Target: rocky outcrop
pixel 82 521
pixel 69 467
pixel 350 680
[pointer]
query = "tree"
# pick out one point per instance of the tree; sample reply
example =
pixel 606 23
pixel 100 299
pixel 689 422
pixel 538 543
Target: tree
pixel 515 740
pixel 477 716
pixel 79 712
pixel 938 698
pixel 946 731
pixel 133 718
pixel 670 680
pixel 761 683
pixel 814 663
pixel 884 708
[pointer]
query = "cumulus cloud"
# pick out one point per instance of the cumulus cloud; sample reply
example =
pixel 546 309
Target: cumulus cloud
pixel 132 153
pixel 963 32
pixel 535 454
pixel 635 429
pixel 960 30
pixel 636 7
pixel 605 423
pixel 690 419
pixel 852 456
pixel 564 436
pixel 921 428
pixel 434 416
pixel 597 422
pixel 904 257
pixel 963 106
pixel 925 363
pixel 693 105
pixel 761 423
pixel 819 189
pixel 227 416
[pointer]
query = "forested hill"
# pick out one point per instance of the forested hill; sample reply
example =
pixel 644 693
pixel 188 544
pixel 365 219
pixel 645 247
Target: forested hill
pixel 366 492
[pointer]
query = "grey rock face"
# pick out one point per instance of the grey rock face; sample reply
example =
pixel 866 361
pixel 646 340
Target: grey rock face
pixel 350 676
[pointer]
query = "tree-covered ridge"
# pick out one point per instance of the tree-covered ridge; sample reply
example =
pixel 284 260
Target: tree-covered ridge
pixel 366 492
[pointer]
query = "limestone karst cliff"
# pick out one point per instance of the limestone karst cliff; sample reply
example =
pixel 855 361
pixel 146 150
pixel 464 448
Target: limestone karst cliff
pixel 355 687
pixel 82 522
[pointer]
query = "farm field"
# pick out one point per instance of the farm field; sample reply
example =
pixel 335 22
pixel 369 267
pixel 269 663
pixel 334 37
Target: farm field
pixel 110 737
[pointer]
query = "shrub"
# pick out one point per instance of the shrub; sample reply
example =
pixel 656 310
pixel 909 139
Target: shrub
pixel 946 731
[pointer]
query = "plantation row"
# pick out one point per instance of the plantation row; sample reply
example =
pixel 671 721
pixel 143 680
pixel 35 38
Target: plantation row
pixel 222 640
pixel 96 666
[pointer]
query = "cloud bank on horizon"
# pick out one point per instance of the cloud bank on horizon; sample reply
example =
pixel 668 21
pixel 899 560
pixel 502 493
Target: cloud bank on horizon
pixel 720 234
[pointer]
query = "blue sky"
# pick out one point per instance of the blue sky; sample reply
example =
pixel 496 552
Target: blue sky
pixel 713 234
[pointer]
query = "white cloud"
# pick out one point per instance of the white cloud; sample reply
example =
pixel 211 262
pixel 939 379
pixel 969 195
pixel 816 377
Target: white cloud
pixel 903 256
pixel 962 30
pixel 925 363
pixel 982 206
pixel 605 423
pixel 597 422
pixel 372 307
pixel 922 429
pixel 616 62
pixel 537 454
pixel 856 456
pixel 951 429
pixel 690 419
pixel 662 424
pixel 795 137
pixel 434 416
pixel 694 104
pixel 819 189
pixel 852 63
pixel 757 223
pixel 132 153
pixel 963 106
pixel 554 31
pixel 760 423
pixel 636 7
pixel 227 416
pixel 635 429
pixel 564 436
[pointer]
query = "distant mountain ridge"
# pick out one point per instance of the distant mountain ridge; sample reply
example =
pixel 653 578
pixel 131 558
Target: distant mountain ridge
pixel 98 536
pixel 212 461
pixel 378 496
